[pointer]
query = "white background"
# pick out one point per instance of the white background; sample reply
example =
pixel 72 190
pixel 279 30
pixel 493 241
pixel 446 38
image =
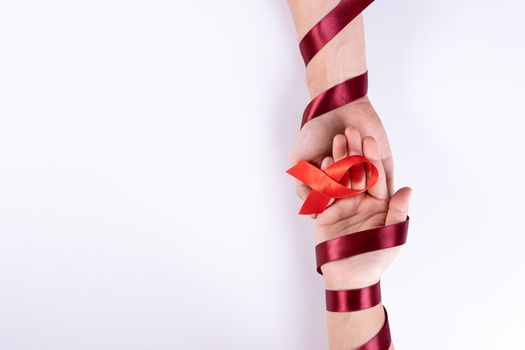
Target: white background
pixel 143 199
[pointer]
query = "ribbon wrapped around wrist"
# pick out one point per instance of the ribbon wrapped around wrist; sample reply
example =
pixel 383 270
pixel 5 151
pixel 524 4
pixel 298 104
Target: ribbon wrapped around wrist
pixel 331 183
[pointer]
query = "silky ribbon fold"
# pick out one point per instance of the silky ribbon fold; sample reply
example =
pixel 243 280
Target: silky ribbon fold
pixel 331 183
pixel 317 37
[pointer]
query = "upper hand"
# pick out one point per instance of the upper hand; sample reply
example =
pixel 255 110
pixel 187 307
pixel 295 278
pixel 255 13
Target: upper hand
pixel 315 138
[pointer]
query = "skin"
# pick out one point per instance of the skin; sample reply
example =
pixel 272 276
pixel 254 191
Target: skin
pixel 342 58
pixel 352 129
pixel 370 209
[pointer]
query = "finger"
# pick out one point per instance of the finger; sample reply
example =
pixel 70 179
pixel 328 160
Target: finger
pixel 357 173
pixel 302 190
pixel 388 165
pixel 371 151
pixel 326 162
pixel 398 206
pixel 339 149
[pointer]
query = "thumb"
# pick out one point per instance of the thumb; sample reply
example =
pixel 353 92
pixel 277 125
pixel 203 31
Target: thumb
pixel 398 206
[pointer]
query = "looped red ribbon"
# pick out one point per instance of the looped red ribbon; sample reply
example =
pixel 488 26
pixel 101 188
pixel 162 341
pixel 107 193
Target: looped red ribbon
pixel 331 183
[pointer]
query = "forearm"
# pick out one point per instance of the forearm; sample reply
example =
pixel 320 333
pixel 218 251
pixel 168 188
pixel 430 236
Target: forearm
pixel 349 330
pixel 342 58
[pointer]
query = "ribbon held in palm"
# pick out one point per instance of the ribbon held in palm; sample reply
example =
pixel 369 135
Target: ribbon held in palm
pixel 331 183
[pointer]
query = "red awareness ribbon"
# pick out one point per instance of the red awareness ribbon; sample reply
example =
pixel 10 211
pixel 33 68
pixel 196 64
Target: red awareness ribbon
pixel 331 183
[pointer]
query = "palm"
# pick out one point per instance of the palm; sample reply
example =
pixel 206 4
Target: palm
pixel 372 208
pixel 315 139
pixel 353 214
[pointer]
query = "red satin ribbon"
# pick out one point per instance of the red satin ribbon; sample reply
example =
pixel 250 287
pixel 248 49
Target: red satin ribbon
pixel 382 340
pixel 331 183
pixel 360 299
pixel 328 27
pixel 335 97
pixel 361 242
pixel 354 299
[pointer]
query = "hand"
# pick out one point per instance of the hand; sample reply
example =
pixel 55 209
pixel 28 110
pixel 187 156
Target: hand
pixel 315 139
pixel 373 208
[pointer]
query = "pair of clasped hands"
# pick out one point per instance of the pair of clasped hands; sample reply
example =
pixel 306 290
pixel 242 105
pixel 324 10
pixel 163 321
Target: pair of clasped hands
pixel 354 129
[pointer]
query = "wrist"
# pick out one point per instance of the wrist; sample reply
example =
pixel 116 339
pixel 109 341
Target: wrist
pixel 349 276
pixel 361 325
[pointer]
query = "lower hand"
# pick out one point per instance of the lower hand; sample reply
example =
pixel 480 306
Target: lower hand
pixel 370 209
